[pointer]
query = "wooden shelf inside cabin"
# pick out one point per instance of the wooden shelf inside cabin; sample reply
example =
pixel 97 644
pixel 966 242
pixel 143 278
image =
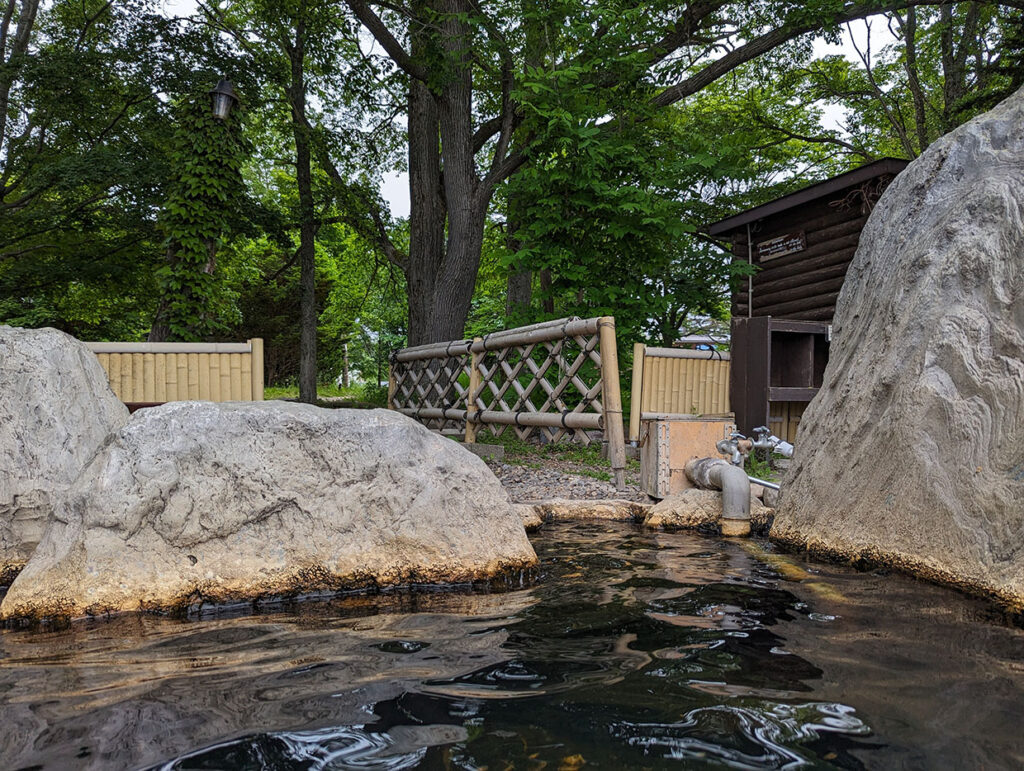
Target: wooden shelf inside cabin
pixel 773 360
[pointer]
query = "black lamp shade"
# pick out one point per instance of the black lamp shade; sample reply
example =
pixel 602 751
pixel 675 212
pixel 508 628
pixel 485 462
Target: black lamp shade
pixel 224 98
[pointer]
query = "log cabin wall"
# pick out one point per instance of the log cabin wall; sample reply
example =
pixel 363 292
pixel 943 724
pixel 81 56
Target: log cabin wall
pixel 802 245
pixel 805 284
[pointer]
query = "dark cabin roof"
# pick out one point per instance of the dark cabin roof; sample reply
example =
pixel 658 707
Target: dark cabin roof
pixel 810 193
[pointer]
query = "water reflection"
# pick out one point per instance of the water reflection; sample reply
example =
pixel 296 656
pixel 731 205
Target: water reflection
pixel 633 650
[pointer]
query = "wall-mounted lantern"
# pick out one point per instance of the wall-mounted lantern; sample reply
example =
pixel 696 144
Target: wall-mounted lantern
pixel 224 98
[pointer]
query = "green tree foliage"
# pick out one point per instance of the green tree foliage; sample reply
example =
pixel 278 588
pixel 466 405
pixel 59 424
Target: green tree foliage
pixel 610 207
pixel 922 72
pixel 583 144
pixel 84 123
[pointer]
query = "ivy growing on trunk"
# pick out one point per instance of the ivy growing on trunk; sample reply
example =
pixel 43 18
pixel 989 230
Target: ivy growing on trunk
pixel 205 190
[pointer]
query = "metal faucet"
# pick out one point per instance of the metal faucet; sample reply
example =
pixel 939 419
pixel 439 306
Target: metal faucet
pixel 764 439
pixel 737 446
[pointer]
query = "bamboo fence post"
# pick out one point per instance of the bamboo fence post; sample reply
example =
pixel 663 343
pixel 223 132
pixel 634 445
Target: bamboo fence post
pixel 256 346
pixel 636 392
pixel 474 386
pixel 612 400
pixel 392 385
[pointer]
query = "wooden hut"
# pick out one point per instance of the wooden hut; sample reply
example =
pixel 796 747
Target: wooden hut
pixel 802 245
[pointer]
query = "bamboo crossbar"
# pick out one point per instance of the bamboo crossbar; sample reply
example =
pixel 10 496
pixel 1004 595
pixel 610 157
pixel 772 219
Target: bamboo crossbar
pixel 581 420
pixel 686 353
pixel 539 334
pixel 509 338
pixel 558 379
pixel 434 351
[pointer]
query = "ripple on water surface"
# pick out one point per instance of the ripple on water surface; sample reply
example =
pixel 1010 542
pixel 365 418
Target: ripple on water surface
pixel 633 650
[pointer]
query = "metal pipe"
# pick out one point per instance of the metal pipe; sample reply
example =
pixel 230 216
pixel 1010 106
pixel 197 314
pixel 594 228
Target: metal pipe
pixel 763 483
pixel 718 474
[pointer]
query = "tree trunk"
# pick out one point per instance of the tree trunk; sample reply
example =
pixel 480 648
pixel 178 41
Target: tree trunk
pixel 160 332
pixel 910 64
pixel 307 221
pixel 519 293
pixel 426 213
pixel 547 301
pixel 442 268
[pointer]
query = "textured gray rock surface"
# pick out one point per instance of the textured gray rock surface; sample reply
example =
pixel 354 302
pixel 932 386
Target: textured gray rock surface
pixel 199 502
pixel 56 408
pixel 912 454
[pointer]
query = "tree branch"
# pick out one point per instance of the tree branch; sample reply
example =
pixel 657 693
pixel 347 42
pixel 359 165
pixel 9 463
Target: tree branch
pixel 375 25
pixel 777 37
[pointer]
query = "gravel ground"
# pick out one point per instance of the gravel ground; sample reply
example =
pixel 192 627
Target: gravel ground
pixel 537 484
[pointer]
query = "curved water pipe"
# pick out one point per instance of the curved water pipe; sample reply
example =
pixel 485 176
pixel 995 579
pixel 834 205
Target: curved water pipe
pixel 719 474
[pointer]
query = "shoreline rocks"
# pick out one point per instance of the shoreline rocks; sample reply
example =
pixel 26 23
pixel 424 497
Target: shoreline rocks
pixel 56 409
pixel 197 502
pixel 693 508
pixel 912 453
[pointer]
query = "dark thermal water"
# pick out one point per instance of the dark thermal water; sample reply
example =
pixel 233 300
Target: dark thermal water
pixel 633 650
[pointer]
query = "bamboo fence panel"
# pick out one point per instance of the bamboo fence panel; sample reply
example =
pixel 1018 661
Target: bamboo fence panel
pixel 784 418
pixel 676 381
pixel 154 373
pixel 557 380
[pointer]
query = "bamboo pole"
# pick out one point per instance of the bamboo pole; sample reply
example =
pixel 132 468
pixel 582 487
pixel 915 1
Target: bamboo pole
pixel 149 378
pixel 160 377
pixel 474 386
pixel 256 348
pixel 636 392
pixel 114 375
pixel 172 377
pixel 577 420
pixel 434 351
pixel 194 389
pixel 203 375
pixel 135 385
pixel 685 353
pixel 247 377
pixel 225 377
pixel 541 334
pixel 612 399
pixel 236 376
pixel 392 385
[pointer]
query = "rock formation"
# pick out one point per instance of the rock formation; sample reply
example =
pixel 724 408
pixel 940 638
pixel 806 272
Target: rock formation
pixel 197 502
pixel 692 508
pixel 56 408
pixel 912 454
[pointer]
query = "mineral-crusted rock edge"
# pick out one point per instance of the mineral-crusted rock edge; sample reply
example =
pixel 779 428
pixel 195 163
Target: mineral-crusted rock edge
pixel 693 508
pixel 912 453
pixel 197 502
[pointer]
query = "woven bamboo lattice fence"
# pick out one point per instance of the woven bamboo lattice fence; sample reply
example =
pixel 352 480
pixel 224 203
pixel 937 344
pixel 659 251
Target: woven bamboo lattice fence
pixel 556 380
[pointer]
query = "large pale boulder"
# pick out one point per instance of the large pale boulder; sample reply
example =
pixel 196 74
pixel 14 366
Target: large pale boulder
pixel 197 502
pixel 56 408
pixel 912 454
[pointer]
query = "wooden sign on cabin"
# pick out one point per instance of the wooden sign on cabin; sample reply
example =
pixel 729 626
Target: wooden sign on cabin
pixel 802 245
pixel 780 246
